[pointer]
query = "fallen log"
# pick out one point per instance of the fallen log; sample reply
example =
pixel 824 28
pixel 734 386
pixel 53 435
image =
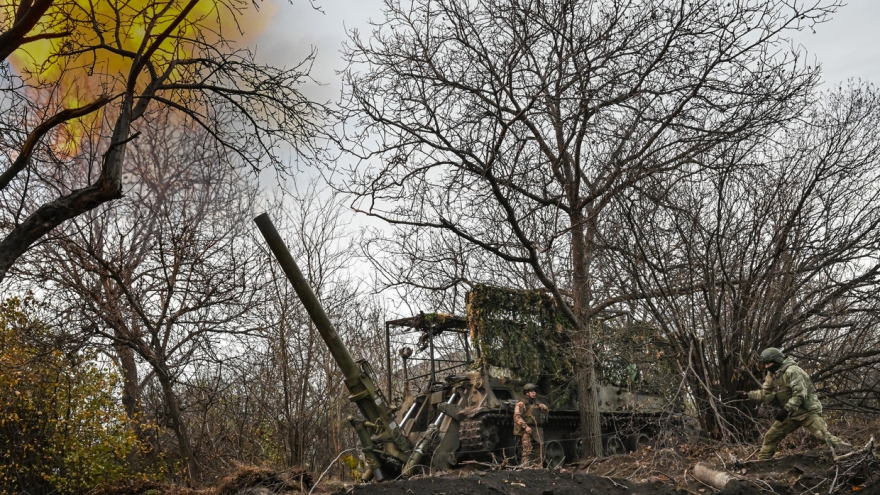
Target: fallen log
pixel 712 477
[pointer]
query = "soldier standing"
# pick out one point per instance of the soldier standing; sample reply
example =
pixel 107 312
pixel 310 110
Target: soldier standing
pixel 788 387
pixel 525 423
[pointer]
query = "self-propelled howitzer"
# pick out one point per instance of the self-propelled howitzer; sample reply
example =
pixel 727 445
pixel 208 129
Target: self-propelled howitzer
pixel 385 447
pixel 468 414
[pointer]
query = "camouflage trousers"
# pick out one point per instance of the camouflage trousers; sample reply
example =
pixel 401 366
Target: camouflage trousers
pixel 781 429
pixel 529 458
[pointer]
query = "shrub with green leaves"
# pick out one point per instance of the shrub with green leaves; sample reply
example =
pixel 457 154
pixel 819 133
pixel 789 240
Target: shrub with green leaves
pixel 62 428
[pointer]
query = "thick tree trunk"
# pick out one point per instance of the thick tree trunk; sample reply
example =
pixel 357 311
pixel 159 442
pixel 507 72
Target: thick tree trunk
pixel 585 359
pixel 49 216
pixel 588 400
pixel 26 18
pixel 131 400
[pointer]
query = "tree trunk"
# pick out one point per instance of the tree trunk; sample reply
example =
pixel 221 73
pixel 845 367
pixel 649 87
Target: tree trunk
pixel 26 18
pixel 49 216
pixel 585 359
pixel 131 391
pixel 107 187
pixel 176 422
pixel 131 401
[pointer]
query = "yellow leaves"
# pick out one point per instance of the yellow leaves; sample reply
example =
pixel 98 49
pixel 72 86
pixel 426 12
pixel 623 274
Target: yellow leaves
pixel 61 428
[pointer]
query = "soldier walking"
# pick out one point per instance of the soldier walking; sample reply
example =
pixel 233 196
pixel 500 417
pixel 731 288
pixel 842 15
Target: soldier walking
pixel 525 423
pixel 788 387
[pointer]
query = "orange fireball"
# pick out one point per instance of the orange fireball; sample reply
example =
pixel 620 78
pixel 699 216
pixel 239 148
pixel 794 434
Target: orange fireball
pixel 83 49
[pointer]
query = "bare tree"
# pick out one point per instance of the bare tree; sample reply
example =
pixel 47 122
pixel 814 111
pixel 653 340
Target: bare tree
pixel 109 65
pixel 781 244
pixel 514 125
pixel 275 395
pixel 165 273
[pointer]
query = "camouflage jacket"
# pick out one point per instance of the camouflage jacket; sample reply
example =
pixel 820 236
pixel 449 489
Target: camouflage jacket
pixel 527 413
pixel 790 388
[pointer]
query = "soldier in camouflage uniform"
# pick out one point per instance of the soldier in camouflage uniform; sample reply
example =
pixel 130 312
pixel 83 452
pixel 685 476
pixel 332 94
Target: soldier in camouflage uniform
pixel 788 387
pixel 525 422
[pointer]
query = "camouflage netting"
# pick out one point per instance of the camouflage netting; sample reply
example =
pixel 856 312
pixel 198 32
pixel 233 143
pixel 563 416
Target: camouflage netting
pixel 522 331
pixel 633 354
pixel 525 332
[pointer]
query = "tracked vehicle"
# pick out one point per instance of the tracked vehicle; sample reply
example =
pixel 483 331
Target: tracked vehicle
pixel 479 422
pixel 456 404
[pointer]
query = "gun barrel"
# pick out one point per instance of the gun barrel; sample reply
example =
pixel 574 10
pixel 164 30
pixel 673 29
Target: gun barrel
pixel 328 332
pixel 386 441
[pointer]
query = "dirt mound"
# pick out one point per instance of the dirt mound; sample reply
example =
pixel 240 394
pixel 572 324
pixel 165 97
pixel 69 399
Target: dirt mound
pixel 245 480
pixel 142 487
pixel 668 470
pixel 133 487
pixel 526 482
pixel 252 477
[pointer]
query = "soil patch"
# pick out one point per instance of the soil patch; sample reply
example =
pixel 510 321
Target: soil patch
pixel 525 482
pixel 250 477
pixel 650 473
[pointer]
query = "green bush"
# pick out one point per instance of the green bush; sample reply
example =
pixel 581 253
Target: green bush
pixel 62 428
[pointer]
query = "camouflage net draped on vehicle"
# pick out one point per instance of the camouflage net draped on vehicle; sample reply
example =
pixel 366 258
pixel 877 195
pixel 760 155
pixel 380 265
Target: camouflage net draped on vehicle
pixel 525 332
pixel 634 355
pixel 522 331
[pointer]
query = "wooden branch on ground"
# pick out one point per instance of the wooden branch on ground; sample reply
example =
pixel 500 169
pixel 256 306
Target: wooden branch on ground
pixel 864 450
pixel 490 465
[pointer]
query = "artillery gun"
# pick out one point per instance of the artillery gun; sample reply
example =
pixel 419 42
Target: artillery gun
pixel 478 425
pixel 466 415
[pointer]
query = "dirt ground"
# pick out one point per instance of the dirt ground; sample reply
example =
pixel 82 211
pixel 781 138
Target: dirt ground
pixel 526 482
pixel 799 469
pixel 667 471
pixel 808 472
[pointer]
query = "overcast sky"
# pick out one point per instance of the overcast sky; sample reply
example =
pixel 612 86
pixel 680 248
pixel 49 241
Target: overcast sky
pixel 848 46
pixel 296 28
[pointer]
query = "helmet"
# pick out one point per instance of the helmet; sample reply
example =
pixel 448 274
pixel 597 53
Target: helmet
pixel 529 387
pixel 771 355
